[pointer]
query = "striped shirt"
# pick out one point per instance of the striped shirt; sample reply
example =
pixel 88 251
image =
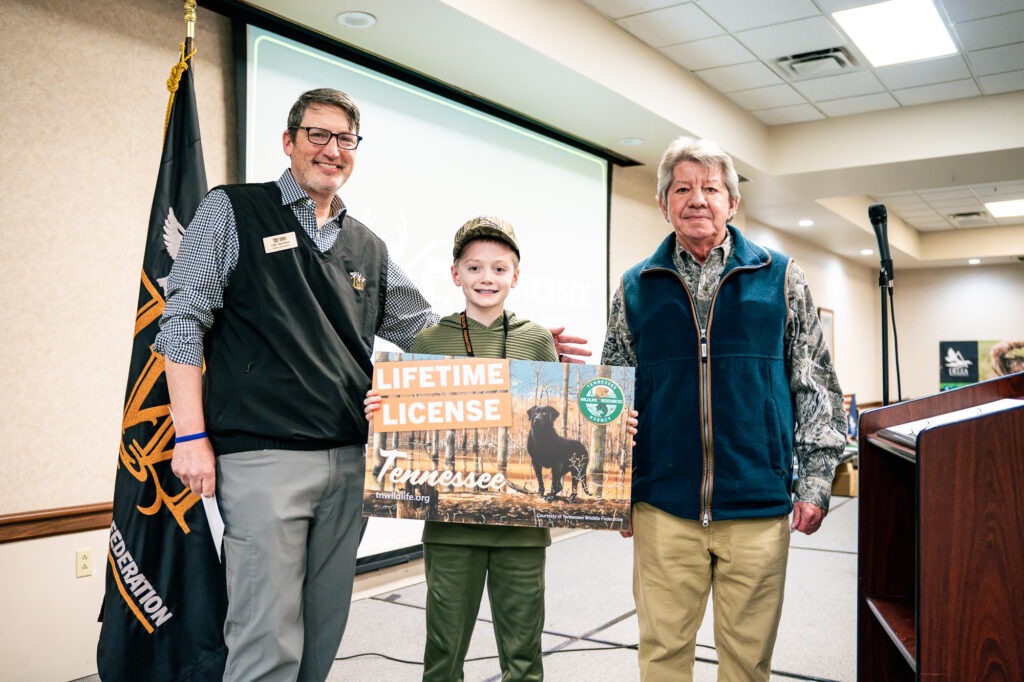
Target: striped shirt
pixel 209 255
pixel 820 433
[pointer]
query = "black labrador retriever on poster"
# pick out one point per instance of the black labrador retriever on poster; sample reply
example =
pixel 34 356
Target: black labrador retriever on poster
pixel 548 450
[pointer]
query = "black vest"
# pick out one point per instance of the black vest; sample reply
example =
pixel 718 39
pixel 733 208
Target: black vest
pixel 288 358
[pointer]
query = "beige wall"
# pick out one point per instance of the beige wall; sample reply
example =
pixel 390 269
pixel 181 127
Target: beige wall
pixel 953 304
pixel 81 121
pixel 49 616
pixel 81 127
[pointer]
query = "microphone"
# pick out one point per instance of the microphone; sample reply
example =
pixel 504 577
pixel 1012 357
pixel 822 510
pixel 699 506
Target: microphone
pixel 879 221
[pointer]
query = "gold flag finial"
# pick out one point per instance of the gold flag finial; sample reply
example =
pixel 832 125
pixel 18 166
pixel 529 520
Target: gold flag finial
pixel 187 51
pixel 190 19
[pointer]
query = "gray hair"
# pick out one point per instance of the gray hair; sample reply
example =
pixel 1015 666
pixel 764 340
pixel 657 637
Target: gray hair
pixel 704 152
pixel 327 96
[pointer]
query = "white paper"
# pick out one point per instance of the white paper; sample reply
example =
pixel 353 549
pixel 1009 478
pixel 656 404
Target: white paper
pixel 907 433
pixel 216 522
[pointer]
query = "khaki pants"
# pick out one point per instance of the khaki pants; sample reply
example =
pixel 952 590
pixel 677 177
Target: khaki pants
pixel 678 562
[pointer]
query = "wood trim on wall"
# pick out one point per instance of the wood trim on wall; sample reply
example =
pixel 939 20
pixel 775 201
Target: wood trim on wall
pixel 60 521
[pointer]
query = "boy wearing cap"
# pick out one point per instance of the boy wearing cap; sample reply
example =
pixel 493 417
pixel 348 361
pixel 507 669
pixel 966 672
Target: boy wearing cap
pixel 460 558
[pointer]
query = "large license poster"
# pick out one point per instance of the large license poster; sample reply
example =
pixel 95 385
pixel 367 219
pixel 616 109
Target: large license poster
pixel 500 442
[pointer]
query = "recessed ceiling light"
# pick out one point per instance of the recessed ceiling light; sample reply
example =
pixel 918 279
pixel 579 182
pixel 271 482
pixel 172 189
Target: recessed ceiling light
pixel 631 141
pixel 1006 209
pixel 897 31
pixel 866 252
pixel 805 223
pixel 356 19
pixel 974 261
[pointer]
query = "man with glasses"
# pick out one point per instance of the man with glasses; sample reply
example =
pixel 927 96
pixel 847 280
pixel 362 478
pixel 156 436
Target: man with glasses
pixel 280 292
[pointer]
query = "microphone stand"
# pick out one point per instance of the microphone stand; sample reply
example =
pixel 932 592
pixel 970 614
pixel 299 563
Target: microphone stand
pixel 885 287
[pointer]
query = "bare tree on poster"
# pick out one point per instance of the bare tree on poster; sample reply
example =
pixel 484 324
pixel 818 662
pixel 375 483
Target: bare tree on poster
pixel 565 398
pixel 597 445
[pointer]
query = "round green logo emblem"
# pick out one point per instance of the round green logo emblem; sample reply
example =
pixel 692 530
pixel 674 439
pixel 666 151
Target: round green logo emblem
pixel 601 400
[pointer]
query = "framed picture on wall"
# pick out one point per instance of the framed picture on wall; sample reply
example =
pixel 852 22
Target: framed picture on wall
pixel 828 328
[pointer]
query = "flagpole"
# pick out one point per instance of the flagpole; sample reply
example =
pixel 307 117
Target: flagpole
pixel 190 24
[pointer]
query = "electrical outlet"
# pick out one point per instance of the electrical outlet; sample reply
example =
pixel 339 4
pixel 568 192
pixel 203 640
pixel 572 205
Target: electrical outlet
pixel 83 563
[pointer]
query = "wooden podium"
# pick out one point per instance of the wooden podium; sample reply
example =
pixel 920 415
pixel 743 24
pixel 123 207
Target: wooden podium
pixel 940 574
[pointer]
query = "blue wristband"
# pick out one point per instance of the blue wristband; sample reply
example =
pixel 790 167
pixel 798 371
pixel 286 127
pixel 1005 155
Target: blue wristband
pixel 185 439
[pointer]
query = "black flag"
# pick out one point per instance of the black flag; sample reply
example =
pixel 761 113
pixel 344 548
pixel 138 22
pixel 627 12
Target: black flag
pixel 163 611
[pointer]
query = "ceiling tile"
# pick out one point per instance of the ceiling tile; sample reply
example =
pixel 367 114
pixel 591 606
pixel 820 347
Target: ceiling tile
pixel 925 72
pixel 1002 82
pixel 898 198
pixel 965 10
pixel 843 85
pixel 946 193
pixel 1005 190
pixel 739 77
pixel 799 113
pixel 849 106
pixel 740 15
pixel 794 37
pixel 937 93
pixel 672 25
pixel 951 206
pixel 914 215
pixel 721 50
pixel 991 31
pixel 832 6
pixel 911 207
pixel 997 59
pixel 772 97
pixel 616 9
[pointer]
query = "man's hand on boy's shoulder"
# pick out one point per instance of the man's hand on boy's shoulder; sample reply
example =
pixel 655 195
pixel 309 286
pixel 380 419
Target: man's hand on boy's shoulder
pixel 568 348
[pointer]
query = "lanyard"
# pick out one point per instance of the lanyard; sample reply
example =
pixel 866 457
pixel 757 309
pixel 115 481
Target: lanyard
pixel 469 345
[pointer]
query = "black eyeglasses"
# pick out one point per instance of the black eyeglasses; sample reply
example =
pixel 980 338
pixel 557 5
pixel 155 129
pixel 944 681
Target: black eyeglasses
pixel 320 137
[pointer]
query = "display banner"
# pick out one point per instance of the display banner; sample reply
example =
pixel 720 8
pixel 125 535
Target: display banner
pixel 500 442
pixel 967 362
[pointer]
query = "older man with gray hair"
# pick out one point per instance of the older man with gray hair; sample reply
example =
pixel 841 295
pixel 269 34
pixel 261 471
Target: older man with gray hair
pixel 733 378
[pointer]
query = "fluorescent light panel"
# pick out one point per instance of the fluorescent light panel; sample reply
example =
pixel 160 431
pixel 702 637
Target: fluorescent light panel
pixel 897 31
pixel 1006 209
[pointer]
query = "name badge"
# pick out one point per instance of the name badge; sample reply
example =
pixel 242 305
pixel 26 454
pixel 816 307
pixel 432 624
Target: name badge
pixel 280 242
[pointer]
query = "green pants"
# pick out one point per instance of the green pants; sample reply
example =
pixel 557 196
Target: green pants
pixel 515 586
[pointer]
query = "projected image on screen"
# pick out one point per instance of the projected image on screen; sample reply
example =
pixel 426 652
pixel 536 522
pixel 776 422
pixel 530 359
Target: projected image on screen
pixel 428 164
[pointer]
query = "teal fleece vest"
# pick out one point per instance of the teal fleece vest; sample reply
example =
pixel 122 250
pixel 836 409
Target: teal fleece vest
pixel 288 359
pixel 715 438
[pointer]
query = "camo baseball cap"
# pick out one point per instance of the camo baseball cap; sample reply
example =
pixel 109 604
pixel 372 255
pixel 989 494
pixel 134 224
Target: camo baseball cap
pixel 485 226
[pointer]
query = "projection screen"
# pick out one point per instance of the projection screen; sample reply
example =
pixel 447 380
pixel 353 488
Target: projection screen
pixel 426 165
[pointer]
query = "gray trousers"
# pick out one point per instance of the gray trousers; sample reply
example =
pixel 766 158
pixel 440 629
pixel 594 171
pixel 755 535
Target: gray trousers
pixel 292 522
